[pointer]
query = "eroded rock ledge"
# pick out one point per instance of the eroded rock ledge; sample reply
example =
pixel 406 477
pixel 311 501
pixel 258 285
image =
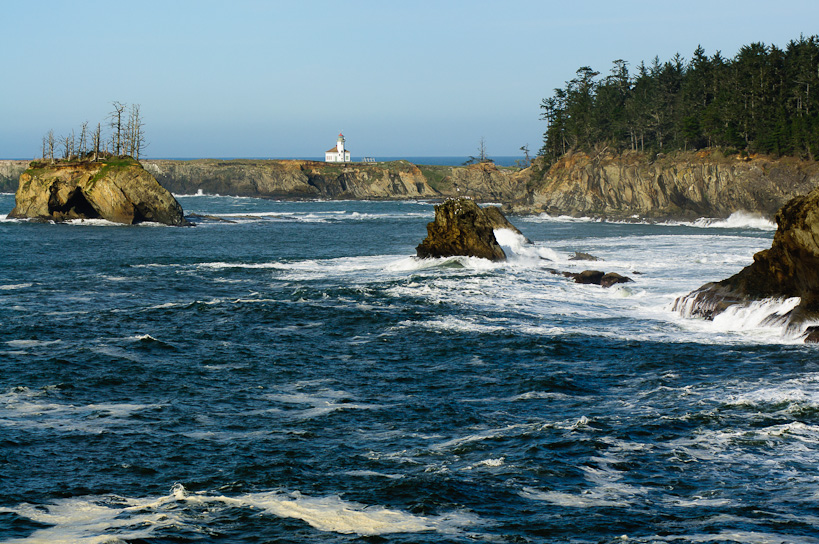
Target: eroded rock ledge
pixel 790 268
pixel 118 190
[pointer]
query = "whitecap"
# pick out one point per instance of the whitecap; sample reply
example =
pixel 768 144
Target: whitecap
pixel 31 343
pixel 96 520
pixel 15 286
pixel 574 500
pixel 737 220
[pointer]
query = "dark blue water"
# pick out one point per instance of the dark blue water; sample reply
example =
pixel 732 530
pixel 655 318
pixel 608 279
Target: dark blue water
pixel 297 376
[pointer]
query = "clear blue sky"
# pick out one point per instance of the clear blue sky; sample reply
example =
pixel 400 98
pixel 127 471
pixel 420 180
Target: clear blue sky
pixel 253 78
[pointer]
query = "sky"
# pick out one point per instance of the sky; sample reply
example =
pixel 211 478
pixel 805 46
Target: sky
pixel 274 79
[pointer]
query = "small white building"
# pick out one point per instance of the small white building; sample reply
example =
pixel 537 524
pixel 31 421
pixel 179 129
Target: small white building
pixel 338 153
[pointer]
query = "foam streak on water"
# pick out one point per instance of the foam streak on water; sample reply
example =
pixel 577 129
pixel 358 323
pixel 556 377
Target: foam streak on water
pixel 299 376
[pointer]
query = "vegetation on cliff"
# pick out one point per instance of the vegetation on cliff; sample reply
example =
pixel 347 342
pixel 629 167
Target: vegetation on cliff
pixel 764 100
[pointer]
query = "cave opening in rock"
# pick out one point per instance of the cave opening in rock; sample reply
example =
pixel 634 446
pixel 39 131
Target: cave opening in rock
pixel 76 206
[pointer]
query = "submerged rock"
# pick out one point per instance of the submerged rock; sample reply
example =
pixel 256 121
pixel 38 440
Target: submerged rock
pixel 790 268
pixel 118 190
pixel 461 227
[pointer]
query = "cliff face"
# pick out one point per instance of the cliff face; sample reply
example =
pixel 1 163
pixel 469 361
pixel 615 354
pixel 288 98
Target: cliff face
pixel 9 174
pixel 484 182
pixel 120 191
pixel 291 179
pixel 685 185
pixel 311 179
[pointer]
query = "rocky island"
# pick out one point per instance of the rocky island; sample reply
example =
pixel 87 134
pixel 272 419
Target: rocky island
pixel 461 227
pixel 116 189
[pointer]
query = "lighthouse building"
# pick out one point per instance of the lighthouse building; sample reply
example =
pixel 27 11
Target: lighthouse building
pixel 338 153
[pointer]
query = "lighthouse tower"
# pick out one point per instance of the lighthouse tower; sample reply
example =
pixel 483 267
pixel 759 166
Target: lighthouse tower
pixel 338 153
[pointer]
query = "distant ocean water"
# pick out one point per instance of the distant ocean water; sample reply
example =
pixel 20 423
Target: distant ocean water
pixel 296 375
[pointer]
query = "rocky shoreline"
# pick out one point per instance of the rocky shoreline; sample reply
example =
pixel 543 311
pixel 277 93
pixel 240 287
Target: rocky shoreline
pixel 627 186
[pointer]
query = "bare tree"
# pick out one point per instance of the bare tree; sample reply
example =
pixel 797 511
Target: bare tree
pixel 82 151
pixel 68 145
pixel 51 143
pixel 95 143
pixel 135 132
pixel 481 154
pixel 115 118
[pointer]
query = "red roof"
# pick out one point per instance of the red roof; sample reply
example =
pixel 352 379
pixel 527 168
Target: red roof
pixel 335 150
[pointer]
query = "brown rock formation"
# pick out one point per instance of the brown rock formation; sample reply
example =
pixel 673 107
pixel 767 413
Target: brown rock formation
pixel 292 178
pixel 119 190
pixel 790 268
pixel 461 228
pixel 683 185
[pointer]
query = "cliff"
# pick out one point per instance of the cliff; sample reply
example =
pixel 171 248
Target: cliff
pixel 684 185
pixel 10 173
pixel 117 190
pixel 291 179
pixel 312 179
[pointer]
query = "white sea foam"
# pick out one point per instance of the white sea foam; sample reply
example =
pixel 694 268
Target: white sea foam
pixel 25 408
pixel 744 537
pixel 765 319
pixel 575 500
pixel 518 248
pixel 319 403
pixel 15 286
pixel 31 343
pixel 102 519
pixel 92 223
pixel 737 220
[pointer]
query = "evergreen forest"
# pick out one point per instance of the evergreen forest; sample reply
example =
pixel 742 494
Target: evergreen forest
pixel 764 100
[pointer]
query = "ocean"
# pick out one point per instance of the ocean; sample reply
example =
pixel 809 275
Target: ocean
pixel 297 375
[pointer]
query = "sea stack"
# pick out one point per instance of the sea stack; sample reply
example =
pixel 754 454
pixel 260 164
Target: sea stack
pixel 117 189
pixel 461 227
pixel 790 268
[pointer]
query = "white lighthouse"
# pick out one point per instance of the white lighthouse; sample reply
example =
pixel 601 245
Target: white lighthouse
pixel 337 153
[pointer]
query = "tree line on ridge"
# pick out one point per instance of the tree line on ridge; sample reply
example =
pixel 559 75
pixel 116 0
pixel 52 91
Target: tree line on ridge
pixel 764 100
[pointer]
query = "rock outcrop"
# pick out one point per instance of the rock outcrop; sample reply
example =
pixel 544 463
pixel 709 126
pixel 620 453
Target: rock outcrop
pixel 118 190
pixel 292 179
pixel 683 185
pixel 790 268
pixel 10 173
pixel 597 277
pixel 461 227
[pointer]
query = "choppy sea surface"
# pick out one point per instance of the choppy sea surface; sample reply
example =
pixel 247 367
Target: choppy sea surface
pixel 297 375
